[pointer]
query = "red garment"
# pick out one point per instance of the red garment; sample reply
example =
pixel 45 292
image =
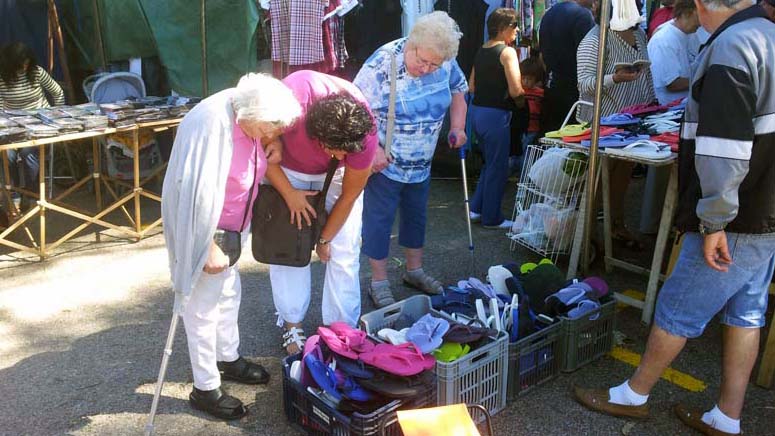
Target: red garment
pixel 671 138
pixel 535 98
pixel 642 109
pixel 660 17
pixel 604 131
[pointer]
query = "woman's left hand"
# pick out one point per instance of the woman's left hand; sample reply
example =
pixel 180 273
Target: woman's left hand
pixel 324 252
pixel 274 152
pixel 460 137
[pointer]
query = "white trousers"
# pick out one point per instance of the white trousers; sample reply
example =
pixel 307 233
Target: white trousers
pixel 291 286
pixel 210 318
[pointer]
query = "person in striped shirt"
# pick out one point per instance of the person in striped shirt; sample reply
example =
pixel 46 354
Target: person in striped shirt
pixel 23 86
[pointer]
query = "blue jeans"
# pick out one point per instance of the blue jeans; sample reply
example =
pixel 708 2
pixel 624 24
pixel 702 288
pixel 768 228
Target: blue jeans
pixel 492 127
pixel 29 157
pixel 694 292
pixel 381 198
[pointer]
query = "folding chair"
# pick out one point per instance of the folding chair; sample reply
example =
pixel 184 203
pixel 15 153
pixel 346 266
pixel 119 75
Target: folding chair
pixel 443 420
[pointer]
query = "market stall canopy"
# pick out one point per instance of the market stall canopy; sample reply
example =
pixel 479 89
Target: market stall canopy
pixel 182 33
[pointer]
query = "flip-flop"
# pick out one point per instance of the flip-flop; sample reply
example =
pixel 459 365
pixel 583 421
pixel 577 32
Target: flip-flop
pixel 404 360
pixel 604 131
pixel 395 337
pixel 350 388
pixel 644 108
pixel 313 342
pixel 466 334
pixel 619 140
pixel 598 285
pixel 353 368
pixel 392 386
pixel 357 339
pixel 323 374
pixel 583 308
pixel 451 351
pixel 569 130
pixel 427 332
pixel 646 149
pixel 566 298
pixel 338 345
pixel 618 120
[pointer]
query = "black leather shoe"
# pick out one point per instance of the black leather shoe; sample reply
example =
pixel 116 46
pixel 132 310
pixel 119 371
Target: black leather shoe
pixel 217 403
pixel 243 371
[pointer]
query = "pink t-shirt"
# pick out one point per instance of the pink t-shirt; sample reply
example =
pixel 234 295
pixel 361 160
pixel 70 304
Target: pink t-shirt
pixel 248 164
pixel 304 154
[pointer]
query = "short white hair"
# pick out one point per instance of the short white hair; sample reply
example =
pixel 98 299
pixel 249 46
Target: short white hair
pixel 261 97
pixel 438 32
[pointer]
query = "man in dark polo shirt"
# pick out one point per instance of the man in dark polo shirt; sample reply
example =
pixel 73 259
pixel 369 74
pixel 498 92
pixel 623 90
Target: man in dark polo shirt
pixel 562 29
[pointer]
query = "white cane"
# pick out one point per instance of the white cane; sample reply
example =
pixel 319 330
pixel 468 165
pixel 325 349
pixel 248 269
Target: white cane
pixel 165 358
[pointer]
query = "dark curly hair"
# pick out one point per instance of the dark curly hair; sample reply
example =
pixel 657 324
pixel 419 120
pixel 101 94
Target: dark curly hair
pixel 12 59
pixel 340 122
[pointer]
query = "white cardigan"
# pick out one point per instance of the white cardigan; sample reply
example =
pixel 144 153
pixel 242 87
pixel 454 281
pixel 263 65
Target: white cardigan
pixel 194 189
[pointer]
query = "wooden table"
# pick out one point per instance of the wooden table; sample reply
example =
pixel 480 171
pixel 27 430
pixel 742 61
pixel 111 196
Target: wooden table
pixel 136 191
pixel 665 225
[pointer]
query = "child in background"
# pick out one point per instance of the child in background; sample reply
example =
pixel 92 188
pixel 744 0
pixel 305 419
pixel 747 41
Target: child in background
pixel 533 83
pixel 526 124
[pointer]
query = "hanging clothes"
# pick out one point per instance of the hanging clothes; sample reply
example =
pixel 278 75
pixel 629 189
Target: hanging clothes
pixel 297 36
pixel 371 26
pixel 469 15
pixel 412 10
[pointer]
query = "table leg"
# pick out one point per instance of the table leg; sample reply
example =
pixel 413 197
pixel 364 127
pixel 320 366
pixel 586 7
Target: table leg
pixel 665 224
pixel 578 237
pixel 607 238
pixel 42 200
pixel 136 161
pixel 96 180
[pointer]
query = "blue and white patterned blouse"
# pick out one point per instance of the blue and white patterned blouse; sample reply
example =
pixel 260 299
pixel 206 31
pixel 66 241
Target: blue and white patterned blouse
pixel 421 103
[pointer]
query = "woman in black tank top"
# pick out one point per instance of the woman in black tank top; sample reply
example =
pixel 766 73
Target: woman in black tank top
pixel 495 82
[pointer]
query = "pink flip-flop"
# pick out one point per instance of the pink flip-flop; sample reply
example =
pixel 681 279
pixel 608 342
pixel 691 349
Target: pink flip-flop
pixel 357 339
pixel 310 345
pixel 337 344
pixel 404 360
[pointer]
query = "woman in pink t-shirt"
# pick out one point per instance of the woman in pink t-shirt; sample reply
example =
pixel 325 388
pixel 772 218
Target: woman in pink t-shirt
pixel 335 122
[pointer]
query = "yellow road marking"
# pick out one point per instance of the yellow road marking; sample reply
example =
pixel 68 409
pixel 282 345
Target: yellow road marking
pixel 675 377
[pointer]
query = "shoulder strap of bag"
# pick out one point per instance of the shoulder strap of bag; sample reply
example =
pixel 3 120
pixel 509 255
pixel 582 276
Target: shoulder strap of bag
pixel 333 164
pixel 252 186
pixel 391 118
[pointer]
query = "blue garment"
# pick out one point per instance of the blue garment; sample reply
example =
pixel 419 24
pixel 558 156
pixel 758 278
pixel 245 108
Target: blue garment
pixel 492 5
pixel 694 292
pixel 381 198
pixel 492 127
pixel 421 103
pixel 29 159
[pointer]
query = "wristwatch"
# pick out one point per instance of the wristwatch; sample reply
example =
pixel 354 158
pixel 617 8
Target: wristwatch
pixel 709 229
pixel 322 241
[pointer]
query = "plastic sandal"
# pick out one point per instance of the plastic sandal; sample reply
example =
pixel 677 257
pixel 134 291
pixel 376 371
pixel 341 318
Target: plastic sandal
pixel 451 351
pixel 618 120
pixel 427 333
pixel 425 283
pixel 294 335
pixel 357 339
pixel 646 149
pixel 569 130
pixel 324 376
pixel 617 141
pixel 604 131
pixel 402 360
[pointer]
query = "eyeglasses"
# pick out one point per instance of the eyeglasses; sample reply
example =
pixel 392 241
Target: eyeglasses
pixel 423 63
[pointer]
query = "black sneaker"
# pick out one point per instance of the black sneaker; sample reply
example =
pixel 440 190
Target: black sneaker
pixel 217 403
pixel 243 371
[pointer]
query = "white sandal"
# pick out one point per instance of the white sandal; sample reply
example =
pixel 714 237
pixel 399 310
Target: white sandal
pixel 294 335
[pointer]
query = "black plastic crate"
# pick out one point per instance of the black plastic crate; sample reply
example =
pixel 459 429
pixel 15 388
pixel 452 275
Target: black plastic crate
pixel 535 360
pixel 586 339
pixel 317 417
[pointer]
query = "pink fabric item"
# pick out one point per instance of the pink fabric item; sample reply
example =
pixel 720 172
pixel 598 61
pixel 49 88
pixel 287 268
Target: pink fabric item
pixel 304 154
pixel 404 360
pixel 248 164
pixel 640 109
pixel 356 339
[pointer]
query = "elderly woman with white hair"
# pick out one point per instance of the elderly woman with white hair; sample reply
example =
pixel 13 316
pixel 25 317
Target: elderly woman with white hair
pixel 219 157
pixel 427 82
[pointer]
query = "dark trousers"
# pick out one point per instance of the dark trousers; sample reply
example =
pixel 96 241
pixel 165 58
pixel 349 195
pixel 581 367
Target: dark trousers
pixel 557 102
pixel 29 158
pixel 492 127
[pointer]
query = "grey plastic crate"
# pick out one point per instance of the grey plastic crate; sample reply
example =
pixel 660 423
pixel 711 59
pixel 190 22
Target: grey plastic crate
pixel 480 377
pixel 586 339
pixel 535 359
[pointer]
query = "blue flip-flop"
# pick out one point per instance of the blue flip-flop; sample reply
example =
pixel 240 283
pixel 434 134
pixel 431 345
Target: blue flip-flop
pixel 353 368
pixel 323 374
pixel 617 140
pixel 618 120
pixel 427 333
pixel 350 388
pixel 583 308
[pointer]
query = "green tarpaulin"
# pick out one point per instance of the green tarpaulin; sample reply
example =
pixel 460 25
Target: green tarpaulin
pixel 104 31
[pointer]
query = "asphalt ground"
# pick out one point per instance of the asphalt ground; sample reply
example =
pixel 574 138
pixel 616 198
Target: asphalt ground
pixel 81 337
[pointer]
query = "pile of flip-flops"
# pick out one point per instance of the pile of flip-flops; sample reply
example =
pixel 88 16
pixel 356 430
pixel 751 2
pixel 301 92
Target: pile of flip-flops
pixel 355 373
pixel 446 340
pixel 521 299
pixel 645 130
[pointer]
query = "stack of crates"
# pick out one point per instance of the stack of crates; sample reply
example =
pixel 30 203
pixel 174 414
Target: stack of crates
pixel 479 377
